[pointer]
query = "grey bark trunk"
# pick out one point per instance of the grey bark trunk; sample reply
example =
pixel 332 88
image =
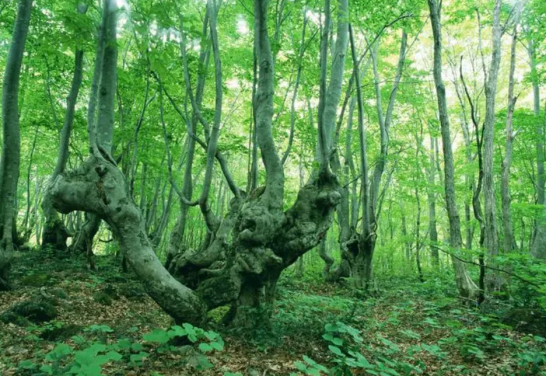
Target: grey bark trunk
pixel 334 91
pixel 55 233
pixel 98 187
pixel 490 220
pixel 431 200
pixel 538 244
pixel 464 283
pixel 509 238
pixel 83 242
pixel 11 147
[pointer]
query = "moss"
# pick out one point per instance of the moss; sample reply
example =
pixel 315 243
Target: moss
pixel 58 293
pixel 60 333
pixel 9 317
pixel 102 298
pixel 31 310
pixel 37 280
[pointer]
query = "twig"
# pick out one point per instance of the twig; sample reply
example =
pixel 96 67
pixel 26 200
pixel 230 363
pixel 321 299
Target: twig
pixel 488 267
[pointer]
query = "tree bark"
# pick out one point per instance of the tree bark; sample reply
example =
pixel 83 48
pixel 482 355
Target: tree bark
pixel 242 270
pixel 333 93
pixel 466 287
pixel 99 93
pixel 55 233
pixel 490 219
pixel 98 187
pixel 11 147
pixel 538 244
pixel 431 200
pixel 509 238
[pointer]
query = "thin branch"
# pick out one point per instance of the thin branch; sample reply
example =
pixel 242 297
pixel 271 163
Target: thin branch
pixel 488 267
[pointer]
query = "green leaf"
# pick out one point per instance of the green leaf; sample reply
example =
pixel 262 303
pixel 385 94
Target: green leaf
pixel 157 336
pixel 205 347
pixel 336 350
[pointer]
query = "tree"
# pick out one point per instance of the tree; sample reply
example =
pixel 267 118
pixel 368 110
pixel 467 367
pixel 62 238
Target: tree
pixel 55 233
pixel 11 147
pixel 465 284
pixel 490 90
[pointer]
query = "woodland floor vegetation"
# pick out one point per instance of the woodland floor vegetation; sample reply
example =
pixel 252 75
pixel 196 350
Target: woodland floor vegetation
pixel 408 328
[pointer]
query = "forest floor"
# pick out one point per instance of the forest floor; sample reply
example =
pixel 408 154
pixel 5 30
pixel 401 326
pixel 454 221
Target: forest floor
pixel 94 322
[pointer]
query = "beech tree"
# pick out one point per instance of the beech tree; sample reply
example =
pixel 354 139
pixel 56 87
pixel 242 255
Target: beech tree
pixel 11 142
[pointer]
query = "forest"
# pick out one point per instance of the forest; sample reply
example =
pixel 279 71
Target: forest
pixel 272 187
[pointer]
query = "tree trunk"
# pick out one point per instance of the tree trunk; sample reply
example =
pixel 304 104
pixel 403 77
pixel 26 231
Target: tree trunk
pixel 490 219
pixel 98 187
pixel 509 238
pixel 99 92
pixel 177 234
pixel 242 270
pixel 55 233
pixel 464 283
pixel 538 244
pixel 431 200
pixel 11 147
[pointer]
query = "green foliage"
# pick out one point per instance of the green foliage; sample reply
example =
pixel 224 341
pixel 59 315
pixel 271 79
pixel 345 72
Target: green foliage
pixel 87 358
pixel 345 344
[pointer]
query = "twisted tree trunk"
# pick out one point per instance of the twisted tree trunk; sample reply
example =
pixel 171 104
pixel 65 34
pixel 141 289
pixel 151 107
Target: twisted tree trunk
pixel 98 187
pixel 242 269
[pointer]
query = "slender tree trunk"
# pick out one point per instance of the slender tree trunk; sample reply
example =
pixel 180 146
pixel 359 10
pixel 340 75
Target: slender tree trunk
pixel 368 236
pixel 490 219
pixel 55 233
pixel 538 244
pixel 404 232
pixel 509 238
pixel 431 200
pixel 418 241
pixel 11 147
pixel 83 242
pixel 464 283
pixel 328 112
pixel 26 228
pixel 361 262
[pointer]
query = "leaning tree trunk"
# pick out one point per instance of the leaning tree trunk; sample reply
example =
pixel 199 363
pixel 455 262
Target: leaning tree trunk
pixel 11 148
pixel 55 233
pixel 464 283
pixel 98 187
